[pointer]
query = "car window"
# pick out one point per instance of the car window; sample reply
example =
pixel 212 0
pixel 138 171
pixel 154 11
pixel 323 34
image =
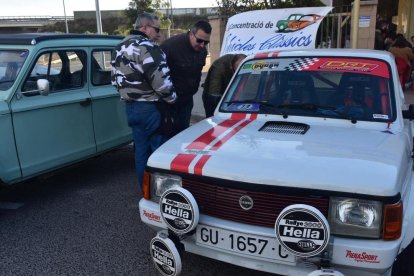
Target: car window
pixel 11 61
pixel 357 89
pixel 101 67
pixel 64 70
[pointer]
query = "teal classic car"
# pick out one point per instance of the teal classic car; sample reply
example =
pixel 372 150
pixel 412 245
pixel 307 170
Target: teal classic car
pixel 57 104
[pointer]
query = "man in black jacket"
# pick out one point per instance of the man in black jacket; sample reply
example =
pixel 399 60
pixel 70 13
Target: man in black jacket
pixel 186 57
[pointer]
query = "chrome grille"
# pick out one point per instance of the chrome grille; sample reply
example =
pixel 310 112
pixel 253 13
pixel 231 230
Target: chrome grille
pixel 285 127
pixel 223 202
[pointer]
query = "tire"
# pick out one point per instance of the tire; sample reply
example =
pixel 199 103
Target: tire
pixel 404 263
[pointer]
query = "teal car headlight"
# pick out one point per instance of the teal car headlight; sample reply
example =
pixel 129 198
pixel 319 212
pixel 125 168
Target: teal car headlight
pixel 355 217
pixel 160 182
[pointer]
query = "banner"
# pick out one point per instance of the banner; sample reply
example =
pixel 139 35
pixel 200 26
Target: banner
pixel 272 30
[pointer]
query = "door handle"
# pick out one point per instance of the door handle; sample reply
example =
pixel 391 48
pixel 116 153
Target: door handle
pixel 86 102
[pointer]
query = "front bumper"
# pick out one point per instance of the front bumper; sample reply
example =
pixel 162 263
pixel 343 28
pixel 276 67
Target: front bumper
pixel 349 256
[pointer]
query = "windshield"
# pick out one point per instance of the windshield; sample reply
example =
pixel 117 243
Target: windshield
pixel 346 88
pixel 11 61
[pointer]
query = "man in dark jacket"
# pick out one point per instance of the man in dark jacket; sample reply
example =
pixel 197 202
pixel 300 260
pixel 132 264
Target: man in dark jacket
pixel 142 77
pixel 186 57
pixel 218 77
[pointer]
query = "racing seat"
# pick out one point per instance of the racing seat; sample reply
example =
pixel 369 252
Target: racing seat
pixel 361 90
pixel 299 89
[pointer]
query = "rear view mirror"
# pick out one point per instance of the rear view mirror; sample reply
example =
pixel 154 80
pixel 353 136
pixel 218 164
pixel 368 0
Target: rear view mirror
pixel 43 86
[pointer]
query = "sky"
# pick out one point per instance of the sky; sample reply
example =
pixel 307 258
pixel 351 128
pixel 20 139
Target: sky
pixel 55 7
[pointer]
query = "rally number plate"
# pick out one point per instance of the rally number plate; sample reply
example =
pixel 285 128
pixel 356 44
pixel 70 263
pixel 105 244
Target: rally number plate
pixel 242 243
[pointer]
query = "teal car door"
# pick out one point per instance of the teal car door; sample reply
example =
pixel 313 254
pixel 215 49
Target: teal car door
pixel 109 117
pixel 55 129
pixel 9 164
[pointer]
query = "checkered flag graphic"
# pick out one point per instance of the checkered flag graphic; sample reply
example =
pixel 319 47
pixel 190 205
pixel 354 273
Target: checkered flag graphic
pixel 301 64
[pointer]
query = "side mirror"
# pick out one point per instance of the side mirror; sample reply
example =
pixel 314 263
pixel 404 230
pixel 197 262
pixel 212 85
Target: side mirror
pixel 409 114
pixel 43 86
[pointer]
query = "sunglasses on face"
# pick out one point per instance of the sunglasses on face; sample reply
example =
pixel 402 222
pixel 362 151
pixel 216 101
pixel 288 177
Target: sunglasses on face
pixel 199 40
pixel 156 29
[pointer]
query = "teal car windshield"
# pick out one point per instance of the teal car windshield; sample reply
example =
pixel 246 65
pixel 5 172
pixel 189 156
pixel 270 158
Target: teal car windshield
pixel 337 87
pixel 11 61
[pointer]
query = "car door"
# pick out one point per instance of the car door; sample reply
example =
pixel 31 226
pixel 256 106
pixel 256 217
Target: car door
pixel 109 117
pixel 56 129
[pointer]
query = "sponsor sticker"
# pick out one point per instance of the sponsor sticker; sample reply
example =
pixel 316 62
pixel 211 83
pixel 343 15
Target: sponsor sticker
pixel 248 107
pixel 302 230
pixel 165 255
pixel 179 210
pixel 380 116
pixel 349 66
pixel 262 65
pixel 363 257
pixel 152 216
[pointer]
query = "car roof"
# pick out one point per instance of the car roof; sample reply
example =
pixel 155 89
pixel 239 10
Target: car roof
pixel 326 52
pixel 34 38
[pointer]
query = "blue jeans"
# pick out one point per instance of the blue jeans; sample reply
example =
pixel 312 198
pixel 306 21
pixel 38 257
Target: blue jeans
pixel 144 119
pixel 182 114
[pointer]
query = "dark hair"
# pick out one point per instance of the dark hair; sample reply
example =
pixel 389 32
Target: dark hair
pixel 400 42
pixel 236 57
pixel 203 25
pixel 144 19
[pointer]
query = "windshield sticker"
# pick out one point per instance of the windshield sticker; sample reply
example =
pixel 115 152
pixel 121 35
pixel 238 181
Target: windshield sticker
pixel 322 64
pixel 349 66
pixel 263 65
pixel 380 116
pixel 301 64
pixel 243 107
pixel 363 66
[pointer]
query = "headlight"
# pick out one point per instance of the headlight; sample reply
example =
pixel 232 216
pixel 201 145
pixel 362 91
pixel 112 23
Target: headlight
pixel 355 217
pixel 160 182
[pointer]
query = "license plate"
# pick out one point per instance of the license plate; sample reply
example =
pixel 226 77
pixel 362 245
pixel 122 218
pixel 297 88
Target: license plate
pixel 242 243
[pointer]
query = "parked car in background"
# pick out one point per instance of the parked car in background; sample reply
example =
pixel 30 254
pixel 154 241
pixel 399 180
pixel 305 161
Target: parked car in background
pixel 57 104
pixel 296 22
pixel 306 168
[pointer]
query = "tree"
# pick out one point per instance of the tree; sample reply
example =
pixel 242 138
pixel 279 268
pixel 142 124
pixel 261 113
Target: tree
pixel 136 7
pixel 231 7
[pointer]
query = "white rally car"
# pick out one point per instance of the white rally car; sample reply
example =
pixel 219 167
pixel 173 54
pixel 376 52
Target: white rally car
pixel 305 168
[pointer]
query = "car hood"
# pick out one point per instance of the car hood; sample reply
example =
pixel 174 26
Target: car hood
pixel 343 158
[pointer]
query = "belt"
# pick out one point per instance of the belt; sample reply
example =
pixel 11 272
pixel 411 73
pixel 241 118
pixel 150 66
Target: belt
pixel 132 101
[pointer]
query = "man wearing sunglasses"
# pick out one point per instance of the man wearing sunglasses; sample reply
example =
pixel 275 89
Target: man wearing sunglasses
pixel 186 57
pixel 142 77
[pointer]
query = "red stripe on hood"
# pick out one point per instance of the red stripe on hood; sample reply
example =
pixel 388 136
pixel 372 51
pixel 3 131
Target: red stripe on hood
pixel 198 168
pixel 207 137
pixel 233 132
pixel 182 162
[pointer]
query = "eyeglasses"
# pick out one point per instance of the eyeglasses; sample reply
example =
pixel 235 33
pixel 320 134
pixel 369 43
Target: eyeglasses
pixel 157 30
pixel 199 40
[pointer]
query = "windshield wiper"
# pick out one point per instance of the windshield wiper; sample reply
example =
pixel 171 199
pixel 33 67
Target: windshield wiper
pixel 306 106
pixel 349 113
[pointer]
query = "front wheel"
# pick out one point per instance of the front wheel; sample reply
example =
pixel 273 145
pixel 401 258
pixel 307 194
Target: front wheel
pixel 404 263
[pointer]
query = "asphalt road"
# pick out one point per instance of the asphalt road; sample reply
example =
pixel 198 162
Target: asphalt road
pixel 84 220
